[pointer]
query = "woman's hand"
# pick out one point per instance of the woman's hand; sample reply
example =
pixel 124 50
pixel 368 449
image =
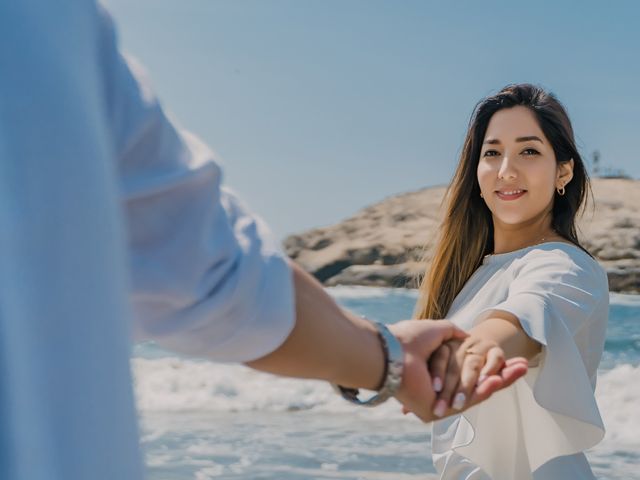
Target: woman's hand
pixel 458 367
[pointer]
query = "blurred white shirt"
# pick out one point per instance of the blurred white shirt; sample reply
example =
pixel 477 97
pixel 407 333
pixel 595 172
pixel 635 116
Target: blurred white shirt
pixel 104 205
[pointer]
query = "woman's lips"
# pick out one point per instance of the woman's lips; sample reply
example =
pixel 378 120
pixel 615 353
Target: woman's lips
pixel 510 194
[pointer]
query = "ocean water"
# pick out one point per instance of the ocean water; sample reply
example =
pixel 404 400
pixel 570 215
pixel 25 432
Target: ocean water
pixel 201 420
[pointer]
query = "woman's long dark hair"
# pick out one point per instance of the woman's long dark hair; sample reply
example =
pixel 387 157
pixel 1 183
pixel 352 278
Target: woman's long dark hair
pixel 466 232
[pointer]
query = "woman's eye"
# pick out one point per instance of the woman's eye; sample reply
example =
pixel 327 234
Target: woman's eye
pixel 530 151
pixel 491 153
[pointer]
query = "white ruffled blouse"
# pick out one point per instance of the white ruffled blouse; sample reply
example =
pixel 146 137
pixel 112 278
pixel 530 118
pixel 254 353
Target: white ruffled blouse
pixel 538 428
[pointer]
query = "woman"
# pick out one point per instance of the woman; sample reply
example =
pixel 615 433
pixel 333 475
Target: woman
pixel 509 269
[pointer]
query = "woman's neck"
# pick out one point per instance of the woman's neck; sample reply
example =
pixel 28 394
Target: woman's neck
pixel 510 238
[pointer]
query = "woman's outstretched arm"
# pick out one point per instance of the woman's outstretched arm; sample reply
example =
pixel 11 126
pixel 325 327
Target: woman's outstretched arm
pixel 333 344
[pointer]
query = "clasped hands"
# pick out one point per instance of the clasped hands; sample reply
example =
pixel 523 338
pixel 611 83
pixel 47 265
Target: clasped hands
pixel 447 371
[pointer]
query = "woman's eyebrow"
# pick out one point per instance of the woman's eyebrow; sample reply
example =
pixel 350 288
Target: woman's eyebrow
pixel 495 141
pixel 529 138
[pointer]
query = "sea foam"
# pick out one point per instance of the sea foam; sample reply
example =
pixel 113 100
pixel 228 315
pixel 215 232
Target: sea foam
pixel 184 385
pixel 618 396
pixel 341 292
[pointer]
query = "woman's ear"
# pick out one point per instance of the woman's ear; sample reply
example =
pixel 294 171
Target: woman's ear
pixel 565 173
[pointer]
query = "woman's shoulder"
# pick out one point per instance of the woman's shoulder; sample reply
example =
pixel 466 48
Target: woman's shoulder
pixel 559 252
pixel 562 257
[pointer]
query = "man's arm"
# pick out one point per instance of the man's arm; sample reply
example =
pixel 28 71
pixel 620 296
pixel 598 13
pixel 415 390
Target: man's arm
pixel 327 342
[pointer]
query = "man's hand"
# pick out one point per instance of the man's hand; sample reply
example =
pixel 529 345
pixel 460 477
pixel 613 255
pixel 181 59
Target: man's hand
pixel 420 338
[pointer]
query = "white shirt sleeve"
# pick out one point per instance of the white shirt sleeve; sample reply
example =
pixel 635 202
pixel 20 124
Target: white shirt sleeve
pixel 208 279
pixel 561 301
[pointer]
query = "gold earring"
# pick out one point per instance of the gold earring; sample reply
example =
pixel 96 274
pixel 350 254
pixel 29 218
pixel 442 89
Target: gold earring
pixel 560 190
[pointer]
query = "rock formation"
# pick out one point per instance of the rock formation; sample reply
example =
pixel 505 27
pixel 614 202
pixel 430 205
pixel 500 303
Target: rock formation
pixel 385 244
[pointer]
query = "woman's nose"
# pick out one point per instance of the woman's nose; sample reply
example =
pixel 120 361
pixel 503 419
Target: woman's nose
pixel 507 169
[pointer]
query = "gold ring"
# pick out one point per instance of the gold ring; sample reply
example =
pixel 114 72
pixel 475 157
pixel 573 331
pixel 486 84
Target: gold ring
pixel 471 352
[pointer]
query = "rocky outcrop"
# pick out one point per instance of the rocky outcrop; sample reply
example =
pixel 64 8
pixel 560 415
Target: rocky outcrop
pixel 385 244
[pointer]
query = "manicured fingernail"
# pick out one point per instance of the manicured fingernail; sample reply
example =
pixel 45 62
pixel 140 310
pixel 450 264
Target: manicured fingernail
pixel 437 384
pixel 481 379
pixel 459 400
pixel 441 408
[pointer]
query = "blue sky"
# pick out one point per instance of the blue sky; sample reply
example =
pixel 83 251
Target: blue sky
pixel 321 107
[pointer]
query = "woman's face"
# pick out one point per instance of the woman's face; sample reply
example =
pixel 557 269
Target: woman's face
pixel 517 171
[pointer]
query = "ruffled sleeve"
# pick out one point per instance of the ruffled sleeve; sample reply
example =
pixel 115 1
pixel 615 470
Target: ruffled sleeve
pixel 561 301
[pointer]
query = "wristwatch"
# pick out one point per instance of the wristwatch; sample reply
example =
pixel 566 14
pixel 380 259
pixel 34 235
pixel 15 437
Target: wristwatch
pixel 394 366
